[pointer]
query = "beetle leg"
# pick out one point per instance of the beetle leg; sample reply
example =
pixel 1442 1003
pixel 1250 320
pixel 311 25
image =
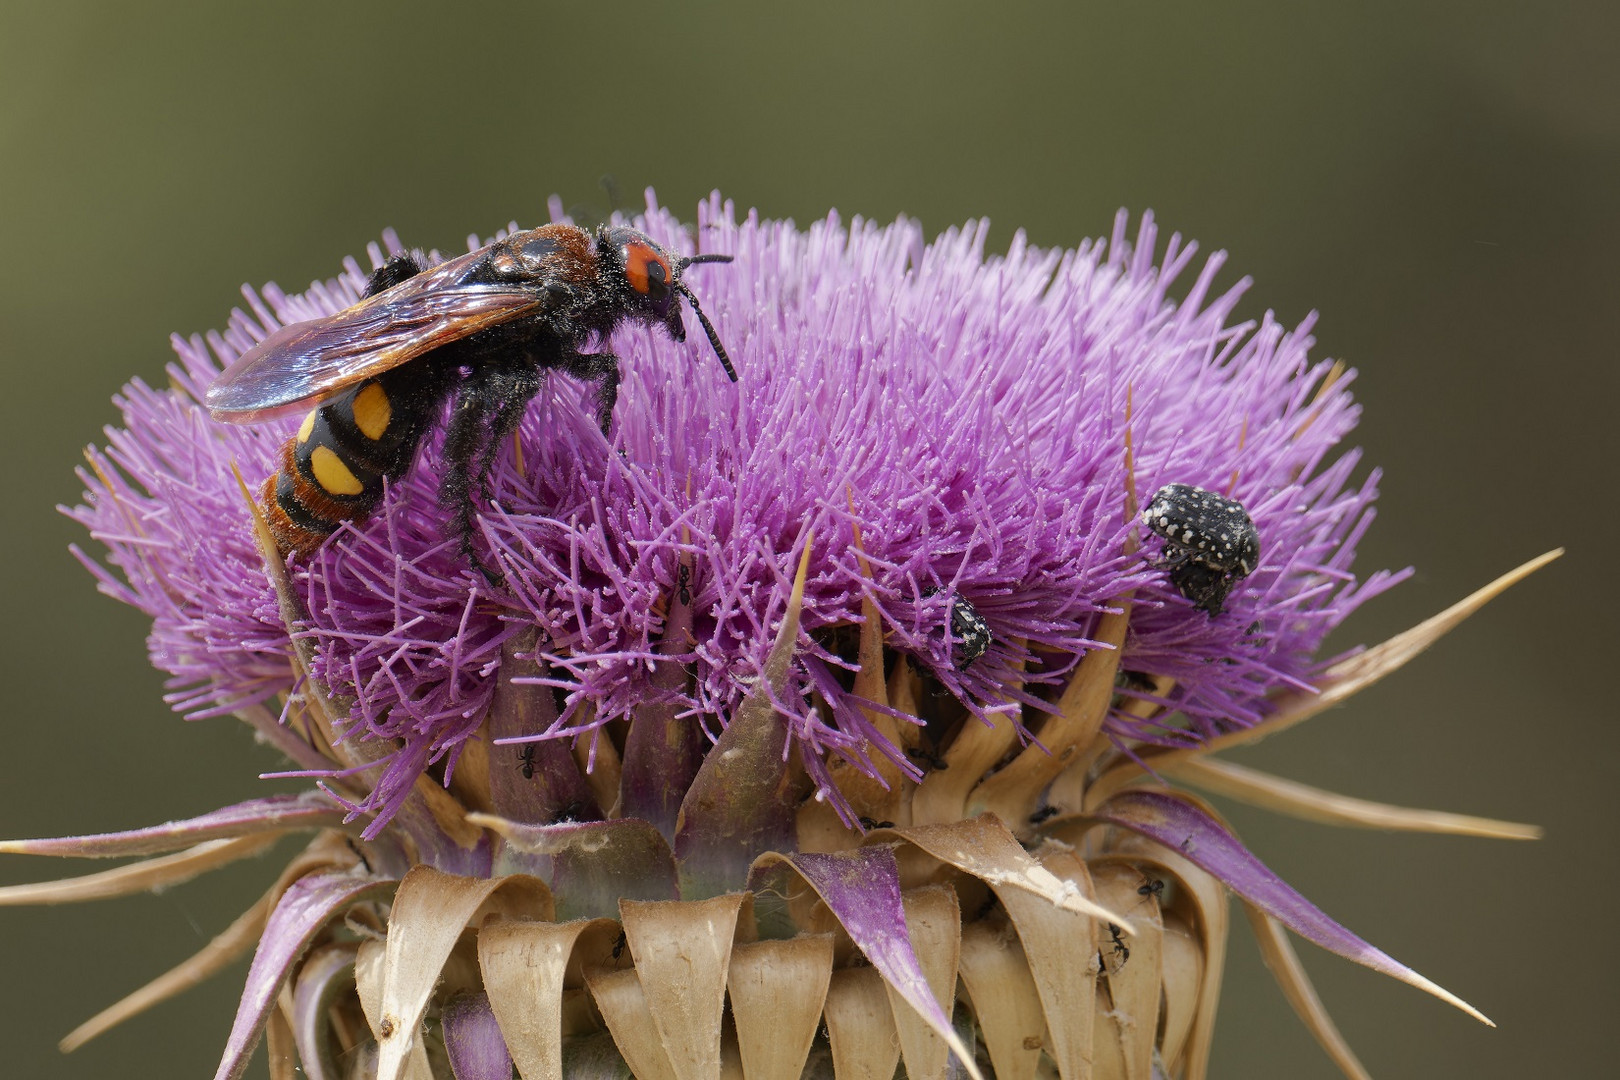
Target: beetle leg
pixel 1173 557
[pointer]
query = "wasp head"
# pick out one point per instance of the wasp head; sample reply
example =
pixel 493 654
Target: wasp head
pixel 654 281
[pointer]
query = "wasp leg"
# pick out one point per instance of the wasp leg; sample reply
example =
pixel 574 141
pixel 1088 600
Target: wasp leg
pixel 398 268
pixel 491 394
pixel 603 369
pixel 510 390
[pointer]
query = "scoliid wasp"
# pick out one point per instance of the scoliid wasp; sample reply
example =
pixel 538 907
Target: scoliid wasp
pixel 481 330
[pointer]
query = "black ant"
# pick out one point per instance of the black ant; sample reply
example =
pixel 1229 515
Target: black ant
pixel 870 823
pixel 526 762
pixel 1121 950
pixel 683 577
pixel 1152 887
pixel 1043 814
pixel 618 945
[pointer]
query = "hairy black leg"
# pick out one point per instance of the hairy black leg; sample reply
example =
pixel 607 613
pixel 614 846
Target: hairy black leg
pixel 463 438
pixel 509 392
pixel 603 369
pixel 398 268
pixel 489 403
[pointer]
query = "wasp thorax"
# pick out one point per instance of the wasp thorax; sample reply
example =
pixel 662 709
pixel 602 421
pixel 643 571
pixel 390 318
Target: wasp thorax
pixel 524 254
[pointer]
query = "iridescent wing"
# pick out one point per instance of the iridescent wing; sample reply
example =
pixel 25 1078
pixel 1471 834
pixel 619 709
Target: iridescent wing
pixel 310 361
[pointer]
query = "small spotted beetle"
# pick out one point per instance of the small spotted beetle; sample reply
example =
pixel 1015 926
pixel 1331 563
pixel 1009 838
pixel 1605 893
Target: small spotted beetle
pixel 970 634
pixel 1210 544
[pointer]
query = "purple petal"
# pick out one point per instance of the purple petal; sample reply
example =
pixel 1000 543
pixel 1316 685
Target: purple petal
pixel 307 906
pixel 862 890
pixel 473 1039
pixel 1183 827
pixel 325 975
pixel 306 811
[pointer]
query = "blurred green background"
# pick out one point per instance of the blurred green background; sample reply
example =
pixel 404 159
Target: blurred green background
pixel 1439 179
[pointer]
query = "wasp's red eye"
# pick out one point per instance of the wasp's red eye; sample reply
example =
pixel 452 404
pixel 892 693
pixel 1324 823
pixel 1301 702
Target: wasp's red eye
pixel 646 271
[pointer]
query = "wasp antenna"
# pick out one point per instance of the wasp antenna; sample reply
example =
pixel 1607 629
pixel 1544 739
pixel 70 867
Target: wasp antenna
pixel 691 259
pixel 708 328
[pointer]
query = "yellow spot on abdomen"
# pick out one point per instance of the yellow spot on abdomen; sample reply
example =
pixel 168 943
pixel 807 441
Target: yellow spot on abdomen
pixel 332 474
pixel 306 427
pixel 372 411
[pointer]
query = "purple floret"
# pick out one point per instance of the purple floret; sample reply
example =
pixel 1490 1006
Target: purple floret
pixel 967 413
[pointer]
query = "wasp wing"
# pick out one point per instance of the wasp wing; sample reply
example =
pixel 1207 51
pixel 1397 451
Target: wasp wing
pixel 309 361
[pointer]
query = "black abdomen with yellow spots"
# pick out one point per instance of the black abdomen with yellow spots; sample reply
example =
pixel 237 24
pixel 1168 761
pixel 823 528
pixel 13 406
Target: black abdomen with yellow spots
pixel 333 470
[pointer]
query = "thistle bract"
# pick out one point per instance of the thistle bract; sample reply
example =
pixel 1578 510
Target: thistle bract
pixel 815 694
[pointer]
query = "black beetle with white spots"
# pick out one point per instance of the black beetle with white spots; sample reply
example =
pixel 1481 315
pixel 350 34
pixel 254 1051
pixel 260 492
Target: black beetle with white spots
pixel 1210 543
pixel 970 634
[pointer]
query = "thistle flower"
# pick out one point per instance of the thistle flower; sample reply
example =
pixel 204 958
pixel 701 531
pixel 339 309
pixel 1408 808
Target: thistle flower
pixel 814 697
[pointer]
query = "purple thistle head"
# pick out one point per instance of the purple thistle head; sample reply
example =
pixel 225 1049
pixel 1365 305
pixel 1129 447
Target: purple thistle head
pixel 963 415
pixel 978 555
